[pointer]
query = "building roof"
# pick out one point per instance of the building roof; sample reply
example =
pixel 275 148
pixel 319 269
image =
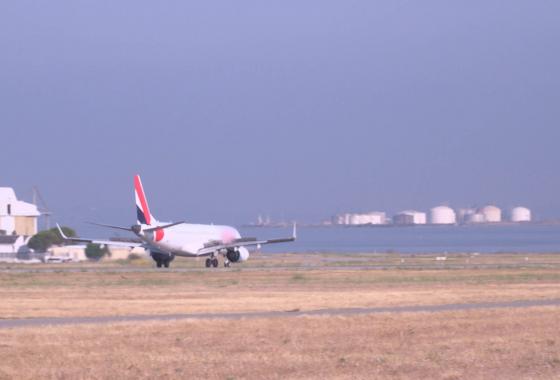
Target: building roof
pixel 17 208
pixel 7 193
pixel 442 208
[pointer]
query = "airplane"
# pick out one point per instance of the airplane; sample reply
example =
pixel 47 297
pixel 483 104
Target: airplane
pixel 165 241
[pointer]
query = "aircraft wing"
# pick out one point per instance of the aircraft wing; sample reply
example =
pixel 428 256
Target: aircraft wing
pixel 96 241
pixel 244 242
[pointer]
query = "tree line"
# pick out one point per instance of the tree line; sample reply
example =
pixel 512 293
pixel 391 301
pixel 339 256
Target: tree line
pixel 43 240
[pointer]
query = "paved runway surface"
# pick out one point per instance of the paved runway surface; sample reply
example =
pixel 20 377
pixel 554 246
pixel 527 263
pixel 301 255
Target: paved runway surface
pixel 35 322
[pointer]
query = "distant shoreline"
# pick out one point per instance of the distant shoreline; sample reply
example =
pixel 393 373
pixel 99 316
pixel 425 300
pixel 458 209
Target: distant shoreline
pixel 390 225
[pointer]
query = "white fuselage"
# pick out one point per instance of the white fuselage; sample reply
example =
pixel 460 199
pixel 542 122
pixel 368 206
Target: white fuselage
pixel 188 239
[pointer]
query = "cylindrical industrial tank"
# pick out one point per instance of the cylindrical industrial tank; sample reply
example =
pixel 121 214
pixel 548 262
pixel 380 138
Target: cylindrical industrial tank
pixel 520 214
pixel 475 218
pixel 442 215
pixel 492 214
pixel 419 217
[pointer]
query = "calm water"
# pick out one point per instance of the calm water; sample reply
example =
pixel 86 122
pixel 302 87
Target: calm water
pixel 420 239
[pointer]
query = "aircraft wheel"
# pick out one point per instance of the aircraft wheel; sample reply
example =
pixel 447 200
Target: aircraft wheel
pixel 159 264
pixel 208 263
pixel 215 263
pixel 166 264
pixel 226 264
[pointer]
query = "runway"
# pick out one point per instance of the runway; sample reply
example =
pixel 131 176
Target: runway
pixel 38 322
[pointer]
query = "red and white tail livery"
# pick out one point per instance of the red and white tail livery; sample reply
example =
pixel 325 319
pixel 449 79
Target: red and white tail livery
pixel 143 215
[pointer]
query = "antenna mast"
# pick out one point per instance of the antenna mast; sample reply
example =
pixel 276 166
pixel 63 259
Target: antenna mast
pixel 42 206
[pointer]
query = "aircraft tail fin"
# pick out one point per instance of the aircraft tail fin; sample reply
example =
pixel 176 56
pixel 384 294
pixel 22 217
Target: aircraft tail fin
pixel 143 215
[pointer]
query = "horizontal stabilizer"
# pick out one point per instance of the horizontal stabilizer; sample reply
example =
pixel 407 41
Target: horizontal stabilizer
pixel 162 227
pixel 111 226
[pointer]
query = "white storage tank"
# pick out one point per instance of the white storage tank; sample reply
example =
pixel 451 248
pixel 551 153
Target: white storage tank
pixel 475 218
pixel 492 214
pixel 419 217
pixel 520 214
pixel 442 215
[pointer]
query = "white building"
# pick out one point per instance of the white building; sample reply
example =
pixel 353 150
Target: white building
pixel 368 218
pixel 361 218
pixel 72 252
pixel 520 215
pixel 12 243
pixel 492 214
pixel 78 252
pixel 342 219
pixel 410 217
pixel 17 217
pixel 123 253
pixel 442 215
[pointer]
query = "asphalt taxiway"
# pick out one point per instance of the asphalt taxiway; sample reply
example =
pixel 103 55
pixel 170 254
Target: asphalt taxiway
pixel 38 322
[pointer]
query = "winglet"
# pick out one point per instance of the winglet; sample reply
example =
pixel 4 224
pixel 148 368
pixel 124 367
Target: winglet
pixel 61 232
pixel 294 232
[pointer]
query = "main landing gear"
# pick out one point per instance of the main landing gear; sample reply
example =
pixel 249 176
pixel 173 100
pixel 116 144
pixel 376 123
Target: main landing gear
pixel 162 263
pixel 212 262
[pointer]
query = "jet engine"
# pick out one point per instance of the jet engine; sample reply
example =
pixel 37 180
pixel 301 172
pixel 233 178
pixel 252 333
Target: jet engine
pixel 237 254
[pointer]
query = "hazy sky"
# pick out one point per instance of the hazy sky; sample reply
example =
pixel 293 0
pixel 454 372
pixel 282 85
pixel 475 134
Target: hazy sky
pixel 297 109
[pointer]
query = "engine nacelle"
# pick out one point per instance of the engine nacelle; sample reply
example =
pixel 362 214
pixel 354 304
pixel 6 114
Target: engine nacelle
pixel 237 254
pixel 161 257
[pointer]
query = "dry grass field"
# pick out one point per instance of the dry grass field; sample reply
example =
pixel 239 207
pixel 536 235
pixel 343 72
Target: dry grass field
pixel 27 295
pixel 502 344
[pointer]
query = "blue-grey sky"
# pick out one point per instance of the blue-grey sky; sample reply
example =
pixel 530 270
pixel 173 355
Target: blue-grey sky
pixel 297 109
